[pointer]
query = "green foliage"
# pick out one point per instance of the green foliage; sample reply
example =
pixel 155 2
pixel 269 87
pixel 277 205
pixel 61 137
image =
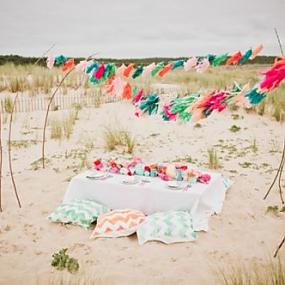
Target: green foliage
pixel 272 210
pixel 62 261
pixel 275 210
pixel 234 128
pixel 197 126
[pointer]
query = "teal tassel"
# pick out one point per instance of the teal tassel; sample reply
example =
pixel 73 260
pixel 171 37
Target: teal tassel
pixel 255 96
pixel 180 104
pixel 211 58
pixel 245 57
pixel 177 64
pixel 185 116
pixel 150 105
pixel 92 66
pixel 219 59
pixel 59 60
pixel 158 67
pixel 137 72
pixel 110 70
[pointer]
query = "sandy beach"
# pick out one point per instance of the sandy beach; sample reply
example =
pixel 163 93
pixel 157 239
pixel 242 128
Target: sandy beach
pixel 242 234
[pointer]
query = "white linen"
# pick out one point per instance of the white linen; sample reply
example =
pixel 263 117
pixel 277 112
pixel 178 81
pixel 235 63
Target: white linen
pixel 202 200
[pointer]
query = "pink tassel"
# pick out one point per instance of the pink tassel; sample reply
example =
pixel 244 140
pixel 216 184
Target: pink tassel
pixel 81 66
pixel 273 78
pixel 50 62
pixel 138 97
pixel 166 112
pixel 147 69
pixel 191 62
pixel 120 70
pixel 203 66
pixel 99 72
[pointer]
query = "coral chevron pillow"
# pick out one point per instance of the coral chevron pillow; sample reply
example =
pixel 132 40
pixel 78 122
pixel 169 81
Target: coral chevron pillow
pixel 78 212
pixel 167 227
pixel 118 223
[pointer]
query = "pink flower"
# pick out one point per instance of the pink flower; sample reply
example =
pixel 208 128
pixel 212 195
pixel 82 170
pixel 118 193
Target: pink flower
pixel 204 178
pixel 134 162
pixel 164 177
pixel 98 164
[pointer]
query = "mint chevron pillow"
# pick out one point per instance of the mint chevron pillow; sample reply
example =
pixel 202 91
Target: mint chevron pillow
pixel 78 212
pixel 168 227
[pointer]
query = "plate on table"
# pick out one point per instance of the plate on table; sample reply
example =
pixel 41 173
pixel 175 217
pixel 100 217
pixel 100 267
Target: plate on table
pixel 97 175
pixel 130 180
pixel 174 185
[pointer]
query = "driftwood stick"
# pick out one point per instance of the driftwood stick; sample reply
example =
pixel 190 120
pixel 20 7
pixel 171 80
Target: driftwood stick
pixel 280 177
pixel 48 108
pixel 46 116
pixel 1 162
pixel 9 152
pixel 279 246
pixel 278 171
pixel 279 42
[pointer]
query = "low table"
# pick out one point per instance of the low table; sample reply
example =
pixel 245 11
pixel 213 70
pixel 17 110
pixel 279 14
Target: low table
pixel 202 200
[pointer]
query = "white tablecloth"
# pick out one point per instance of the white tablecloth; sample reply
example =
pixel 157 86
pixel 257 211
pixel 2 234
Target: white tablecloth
pixel 201 199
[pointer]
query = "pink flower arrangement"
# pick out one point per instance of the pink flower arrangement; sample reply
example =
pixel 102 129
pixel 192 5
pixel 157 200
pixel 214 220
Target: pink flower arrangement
pixel 98 165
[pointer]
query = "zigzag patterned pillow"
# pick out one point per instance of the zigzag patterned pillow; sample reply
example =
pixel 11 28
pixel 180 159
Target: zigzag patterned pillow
pixel 167 227
pixel 78 212
pixel 118 223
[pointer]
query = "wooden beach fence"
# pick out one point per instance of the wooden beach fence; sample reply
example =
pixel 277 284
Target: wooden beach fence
pixel 61 102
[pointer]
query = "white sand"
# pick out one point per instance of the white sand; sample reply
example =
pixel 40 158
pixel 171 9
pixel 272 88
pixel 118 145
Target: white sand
pixel 242 233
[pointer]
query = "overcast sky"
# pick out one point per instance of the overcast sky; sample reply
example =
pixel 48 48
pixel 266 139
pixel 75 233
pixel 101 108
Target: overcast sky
pixel 145 28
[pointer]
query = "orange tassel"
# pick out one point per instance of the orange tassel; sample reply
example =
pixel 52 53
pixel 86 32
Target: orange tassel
pixel 127 93
pixel 128 70
pixel 165 69
pixel 68 65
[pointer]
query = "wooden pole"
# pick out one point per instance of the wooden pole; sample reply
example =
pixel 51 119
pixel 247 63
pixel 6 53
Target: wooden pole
pixel 40 58
pixel 9 153
pixel 279 246
pixel 279 42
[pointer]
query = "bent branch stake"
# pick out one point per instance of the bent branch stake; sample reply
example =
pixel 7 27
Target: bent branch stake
pixel 279 246
pixel 46 117
pixel 9 153
pixel 48 108
pixel 1 157
pixel 43 55
pixel 279 173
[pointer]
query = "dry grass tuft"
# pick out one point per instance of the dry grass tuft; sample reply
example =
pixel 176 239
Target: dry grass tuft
pixel 272 273
pixel 213 161
pixel 119 138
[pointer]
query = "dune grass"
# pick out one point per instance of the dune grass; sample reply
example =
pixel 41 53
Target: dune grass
pixel 119 137
pixel 63 127
pixel 213 160
pixel 271 273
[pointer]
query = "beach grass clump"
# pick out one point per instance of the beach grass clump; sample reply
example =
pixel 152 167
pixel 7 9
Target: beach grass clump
pixel 213 160
pixel 271 273
pixel 8 104
pixel 56 129
pixel 63 127
pixel 117 137
pixel 235 128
